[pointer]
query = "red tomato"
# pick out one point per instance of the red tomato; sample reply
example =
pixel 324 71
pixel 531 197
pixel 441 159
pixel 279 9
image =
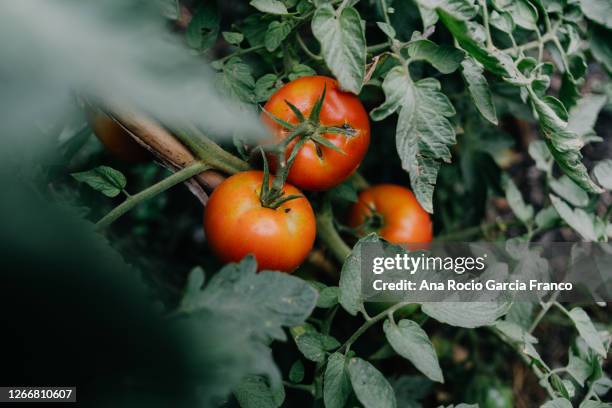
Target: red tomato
pixel 393 212
pixel 323 169
pixel 116 140
pixel 236 224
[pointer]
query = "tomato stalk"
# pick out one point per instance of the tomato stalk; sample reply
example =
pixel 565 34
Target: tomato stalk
pixel 170 181
pixel 209 152
pixel 328 234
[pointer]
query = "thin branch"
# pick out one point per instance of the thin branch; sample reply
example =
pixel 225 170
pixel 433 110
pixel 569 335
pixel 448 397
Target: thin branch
pixel 485 21
pixel 369 323
pixel 307 50
pixel 176 178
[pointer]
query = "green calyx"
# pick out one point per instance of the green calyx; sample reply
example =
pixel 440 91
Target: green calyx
pixel 310 128
pixel 271 195
pixel 373 222
pixel 307 129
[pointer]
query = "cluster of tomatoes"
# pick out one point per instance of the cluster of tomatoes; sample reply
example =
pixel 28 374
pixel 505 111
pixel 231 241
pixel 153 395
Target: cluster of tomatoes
pixel 236 220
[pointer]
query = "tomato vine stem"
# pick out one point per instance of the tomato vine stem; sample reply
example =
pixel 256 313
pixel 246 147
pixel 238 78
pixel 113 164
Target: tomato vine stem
pixel 329 235
pixel 209 152
pixel 170 181
pixel 369 323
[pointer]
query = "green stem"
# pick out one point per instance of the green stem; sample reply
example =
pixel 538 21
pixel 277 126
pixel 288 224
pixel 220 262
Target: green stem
pixel 342 6
pixel 369 323
pixel 549 36
pixel 545 308
pixel 527 360
pixel 485 21
pixel 306 50
pixel 309 388
pixel 373 49
pixel 383 6
pixel 562 53
pixel 211 153
pixel 326 231
pixel 132 201
pixel 240 52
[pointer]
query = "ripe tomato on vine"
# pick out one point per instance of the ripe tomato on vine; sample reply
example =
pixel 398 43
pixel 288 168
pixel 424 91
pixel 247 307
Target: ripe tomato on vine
pixel 393 212
pixel 116 140
pixel 333 127
pixel 237 223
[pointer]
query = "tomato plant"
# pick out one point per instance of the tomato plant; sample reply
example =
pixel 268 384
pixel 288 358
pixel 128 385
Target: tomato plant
pixel 312 134
pixel 393 212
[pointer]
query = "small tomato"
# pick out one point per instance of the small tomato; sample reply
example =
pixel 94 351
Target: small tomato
pixel 393 212
pixel 116 140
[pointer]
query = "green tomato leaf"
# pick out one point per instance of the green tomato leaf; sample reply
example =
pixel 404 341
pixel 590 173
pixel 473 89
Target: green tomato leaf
pixel 571 81
pixel 557 403
pixel 428 15
pixel 458 9
pixel 547 217
pixel 328 297
pixel 276 34
pixel 587 331
pixel 411 342
pixel 254 28
pixel 342 44
pixel 523 212
pixel 502 21
pixel 104 179
pixel 313 345
pixel 444 58
pixel 515 332
pixel 494 61
pixel 269 6
pixel 300 70
pixel 558 385
pixel 599 11
pixel 423 134
pixel 520 314
pixel 263 302
pixel 237 81
pixel 203 29
pixel 336 382
pixel 265 86
pixel 541 155
pixel 569 191
pixel 583 115
pixel 579 369
pixel 350 278
pixel 563 144
pixel 524 14
pixel 296 373
pixel 233 37
pixel 387 29
pixel 371 387
pixel 577 219
pixel 600 45
pixel 603 173
pixel 466 314
pixel 344 192
pixel 254 392
pixel 472 73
